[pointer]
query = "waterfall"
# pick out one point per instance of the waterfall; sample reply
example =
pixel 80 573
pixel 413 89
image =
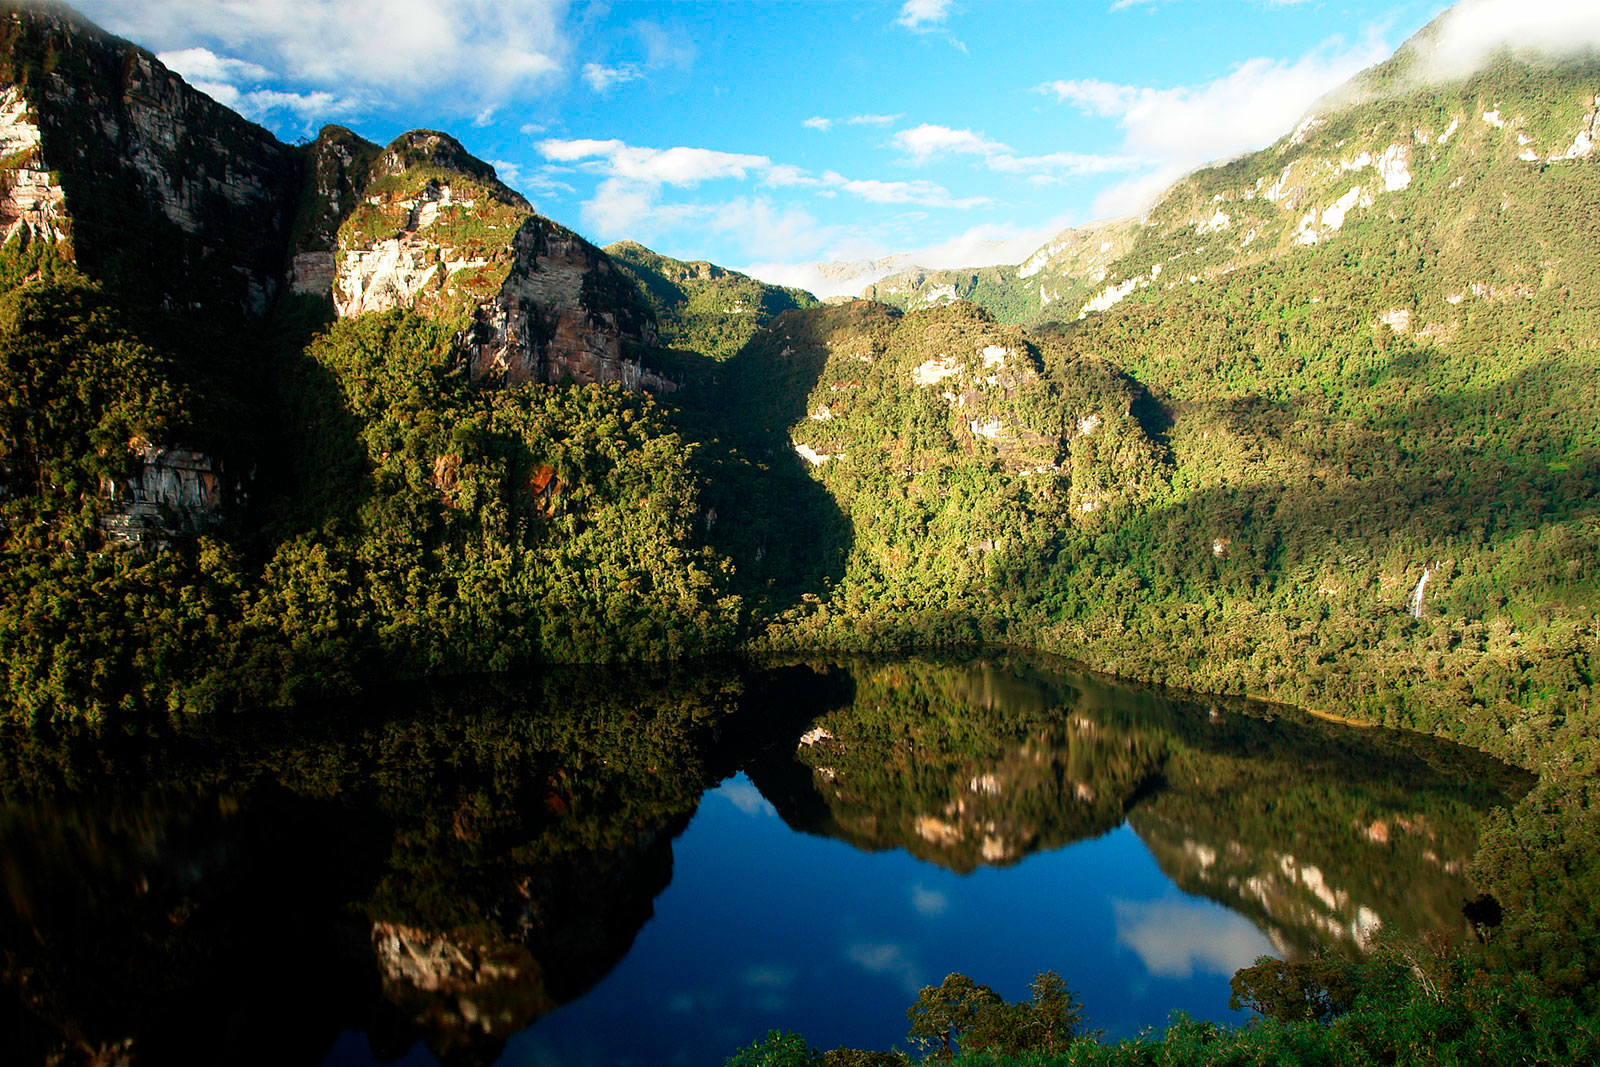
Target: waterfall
pixel 1416 594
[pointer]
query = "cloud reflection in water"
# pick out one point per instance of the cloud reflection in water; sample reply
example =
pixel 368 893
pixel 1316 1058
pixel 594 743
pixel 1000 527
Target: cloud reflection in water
pixel 1175 938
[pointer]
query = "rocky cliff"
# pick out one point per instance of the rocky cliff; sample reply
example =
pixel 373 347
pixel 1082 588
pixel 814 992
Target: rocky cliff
pixel 198 221
pixel 141 180
pixel 423 225
pixel 148 184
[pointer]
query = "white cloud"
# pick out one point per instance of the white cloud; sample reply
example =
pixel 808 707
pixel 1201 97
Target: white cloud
pixel 508 172
pixel 664 46
pixel 926 142
pixel 889 960
pixel 923 15
pixel 628 202
pixel 309 107
pixel 1134 195
pixel 1175 130
pixel 821 122
pixel 534 184
pixel 656 166
pixel 204 65
pixel 780 174
pixel 988 244
pixel 1475 29
pixel 929 902
pixel 485 50
pixel 635 209
pixel 859 260
pixel 746 797
pixel 1248 108
pixel 1176 938
pixel 760 225
pixel 874 191
pixel 656 48
pixel 1070 164
pixel 603 79
pixel 238 84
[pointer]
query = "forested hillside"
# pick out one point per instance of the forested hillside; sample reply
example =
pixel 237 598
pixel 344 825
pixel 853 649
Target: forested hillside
pixel 701 307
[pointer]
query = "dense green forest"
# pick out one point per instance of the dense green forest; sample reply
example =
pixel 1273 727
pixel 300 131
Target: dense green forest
pixel 700 307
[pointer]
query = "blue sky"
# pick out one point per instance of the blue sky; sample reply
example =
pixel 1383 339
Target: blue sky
pixel 767 135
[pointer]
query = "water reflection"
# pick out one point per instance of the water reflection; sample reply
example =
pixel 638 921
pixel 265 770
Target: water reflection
pixel 453 868
pixel 1174 938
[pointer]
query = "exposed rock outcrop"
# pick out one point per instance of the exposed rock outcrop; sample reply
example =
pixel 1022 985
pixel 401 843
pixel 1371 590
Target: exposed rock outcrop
pixel 180 202
pixel 435 231
pixel 32 203
pixel 177 204
pixel 168 491
pixel 170 195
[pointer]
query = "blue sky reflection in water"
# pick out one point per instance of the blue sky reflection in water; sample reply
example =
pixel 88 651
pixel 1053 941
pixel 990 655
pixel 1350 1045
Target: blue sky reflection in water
pixel 766 928
pixel 792 857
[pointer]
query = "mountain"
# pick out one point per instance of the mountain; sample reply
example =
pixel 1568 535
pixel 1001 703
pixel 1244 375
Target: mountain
pixel 1063 272
pixel 155 190
pixel 838 278
pixel 700 306
pixel 1323 430
pixel 1268 398
pixel 223 358
pixel 1268 393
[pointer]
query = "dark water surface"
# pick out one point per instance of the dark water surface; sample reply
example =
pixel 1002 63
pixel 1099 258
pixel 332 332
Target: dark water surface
pixel 642 867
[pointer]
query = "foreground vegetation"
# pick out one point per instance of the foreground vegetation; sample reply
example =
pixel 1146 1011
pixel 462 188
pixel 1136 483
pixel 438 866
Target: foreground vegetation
pixel 1398 1017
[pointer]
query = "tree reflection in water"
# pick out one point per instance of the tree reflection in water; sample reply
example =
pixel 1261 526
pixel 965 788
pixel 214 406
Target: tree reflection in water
pixel 452 865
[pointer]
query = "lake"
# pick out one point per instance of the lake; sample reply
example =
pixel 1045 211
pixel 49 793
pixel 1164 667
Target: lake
pixel 658 865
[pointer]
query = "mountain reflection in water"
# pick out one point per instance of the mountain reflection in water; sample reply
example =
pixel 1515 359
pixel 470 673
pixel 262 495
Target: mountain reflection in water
pixel 454 867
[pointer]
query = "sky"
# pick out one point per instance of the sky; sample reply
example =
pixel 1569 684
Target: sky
pixel 768 136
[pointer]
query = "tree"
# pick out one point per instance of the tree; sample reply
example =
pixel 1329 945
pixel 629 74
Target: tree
pixel 943 1013
pixel 976 1017
pixel 780 1048
pixel 1314 990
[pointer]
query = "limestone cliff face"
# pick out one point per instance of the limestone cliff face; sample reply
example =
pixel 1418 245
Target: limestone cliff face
pixel 169 195
pixel 167 491
pixel 431 229
pixel 32 204
pixel 334 174
pixel 178 202
pixel 551 932
pixel 563 313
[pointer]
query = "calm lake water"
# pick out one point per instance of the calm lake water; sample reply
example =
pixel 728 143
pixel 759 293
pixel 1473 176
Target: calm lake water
pixel 657 867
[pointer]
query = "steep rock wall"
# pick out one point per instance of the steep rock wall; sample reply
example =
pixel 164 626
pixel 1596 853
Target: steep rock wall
pixel 168 491
pixel 32 203
pixel 433 230
pixel 172 197
pixel 563 313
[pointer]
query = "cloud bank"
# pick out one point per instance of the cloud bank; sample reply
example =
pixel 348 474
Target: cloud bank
pixel 1174 130
pixel 1476 29
pixel 486 51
